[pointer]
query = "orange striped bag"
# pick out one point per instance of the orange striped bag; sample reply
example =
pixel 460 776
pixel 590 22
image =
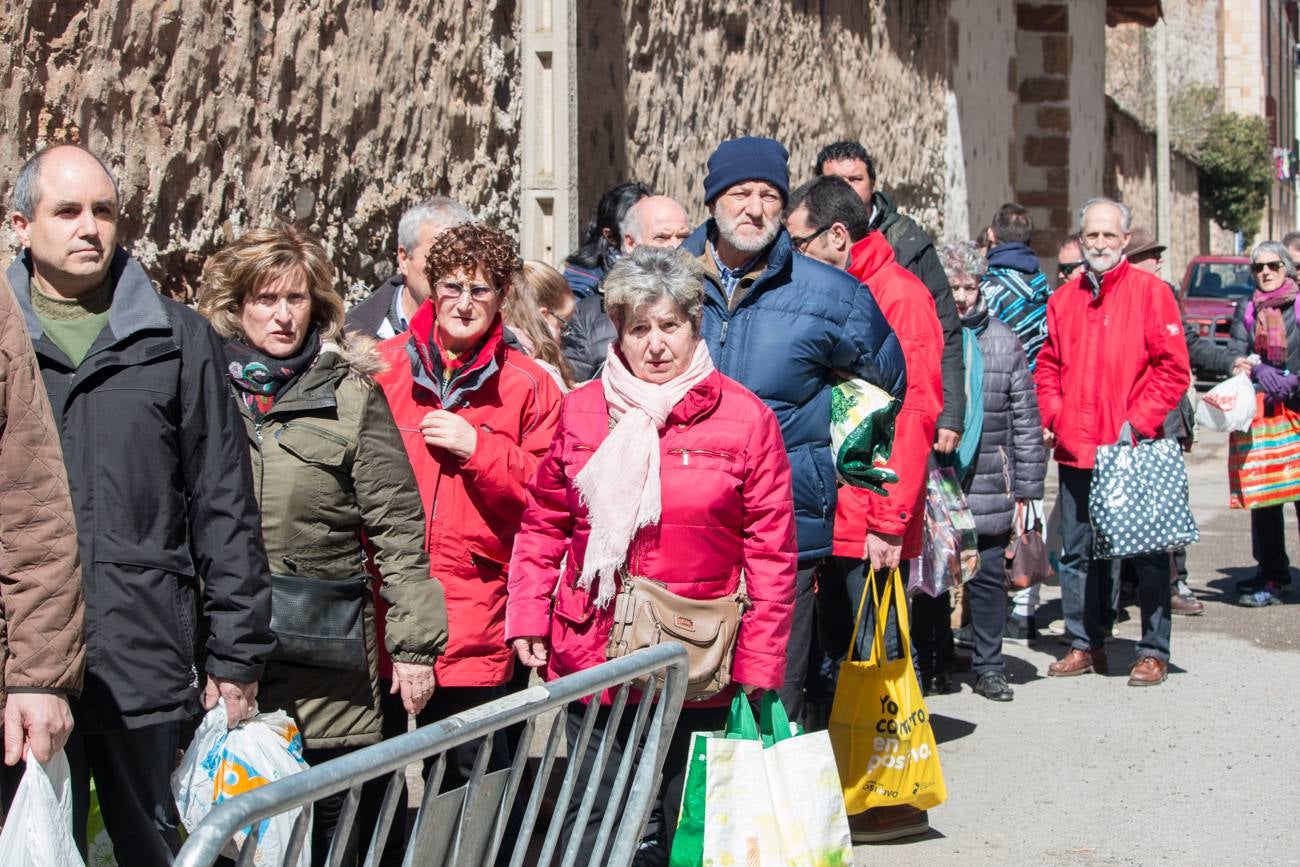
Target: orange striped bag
pixel 1264 462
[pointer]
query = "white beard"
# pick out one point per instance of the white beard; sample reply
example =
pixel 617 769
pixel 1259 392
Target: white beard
pixel 1103 261
pixel 727 229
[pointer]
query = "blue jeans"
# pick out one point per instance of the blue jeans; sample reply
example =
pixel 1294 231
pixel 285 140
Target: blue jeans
pixel 1090 587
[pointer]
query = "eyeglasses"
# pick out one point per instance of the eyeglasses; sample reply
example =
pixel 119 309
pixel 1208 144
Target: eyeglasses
pixel 800 243
pixel 1258 267
pixel 448 291
pixel 1068 268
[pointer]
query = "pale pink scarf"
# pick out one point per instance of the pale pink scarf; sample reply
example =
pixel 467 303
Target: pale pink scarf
pixel 620 484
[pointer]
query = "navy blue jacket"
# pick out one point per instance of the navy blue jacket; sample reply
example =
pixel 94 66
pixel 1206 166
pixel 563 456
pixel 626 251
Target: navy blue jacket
pixel 800 321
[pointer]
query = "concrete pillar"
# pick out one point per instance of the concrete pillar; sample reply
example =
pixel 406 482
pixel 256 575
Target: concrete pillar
pixel 548 198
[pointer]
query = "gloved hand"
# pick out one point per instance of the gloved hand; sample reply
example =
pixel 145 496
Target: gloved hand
pixel 1276 384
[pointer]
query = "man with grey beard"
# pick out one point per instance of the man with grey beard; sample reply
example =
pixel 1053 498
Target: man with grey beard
pixel 1114 356
pixel 782 325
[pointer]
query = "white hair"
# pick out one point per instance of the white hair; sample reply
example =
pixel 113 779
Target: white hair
pixel 440 211
pixel 1125 215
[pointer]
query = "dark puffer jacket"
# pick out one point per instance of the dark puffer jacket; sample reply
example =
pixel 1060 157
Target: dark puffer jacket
pixel 588 336
pixel 792 324
pixel 1012 460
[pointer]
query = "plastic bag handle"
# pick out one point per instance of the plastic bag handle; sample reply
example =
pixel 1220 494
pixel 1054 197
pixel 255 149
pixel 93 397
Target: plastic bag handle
pixel 774 723
pixel 741 724
pixel 890 596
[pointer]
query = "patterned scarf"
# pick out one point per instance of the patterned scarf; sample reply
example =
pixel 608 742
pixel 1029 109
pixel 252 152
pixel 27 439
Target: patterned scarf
pixel 452 363
pixel 259 378
pixel 1270 329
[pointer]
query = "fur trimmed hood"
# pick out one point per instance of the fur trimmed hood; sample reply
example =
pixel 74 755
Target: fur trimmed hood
pixel 359 352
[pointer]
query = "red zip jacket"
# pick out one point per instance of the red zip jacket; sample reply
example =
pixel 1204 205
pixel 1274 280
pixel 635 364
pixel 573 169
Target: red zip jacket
pixel 909 308
pixel 472 508
pixel 1114 356
pixel 725 490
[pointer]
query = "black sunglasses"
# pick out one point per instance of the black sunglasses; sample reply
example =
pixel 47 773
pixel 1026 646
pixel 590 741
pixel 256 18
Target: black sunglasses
pixel 800 243
pixel 1068 268
pixel 1258 267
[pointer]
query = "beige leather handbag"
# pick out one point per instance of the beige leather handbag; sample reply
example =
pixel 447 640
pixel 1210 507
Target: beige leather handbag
pixel 646 613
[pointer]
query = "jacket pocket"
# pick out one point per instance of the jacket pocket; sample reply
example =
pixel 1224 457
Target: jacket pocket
pixel 708 459
pixel 574 606
pixel 313 444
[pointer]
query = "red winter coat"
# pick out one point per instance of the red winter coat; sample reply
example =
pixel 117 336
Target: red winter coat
pixel 909 308
pixel 472 508
pixel 1114 357
pixel 726 505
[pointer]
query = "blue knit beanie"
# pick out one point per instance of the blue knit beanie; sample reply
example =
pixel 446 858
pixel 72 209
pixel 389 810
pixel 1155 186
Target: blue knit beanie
pixel 747 159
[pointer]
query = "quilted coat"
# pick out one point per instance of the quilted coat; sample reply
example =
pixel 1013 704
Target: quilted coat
pixel 796 322
pixel 167 523
pixel 1114 353
pixel 909 309
pixel 42 618
pixel 472 508
pixel 1012 461
pixel 725 507
pixel 328 465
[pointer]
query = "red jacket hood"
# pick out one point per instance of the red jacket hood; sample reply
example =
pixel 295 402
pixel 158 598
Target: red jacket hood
pixel 869 255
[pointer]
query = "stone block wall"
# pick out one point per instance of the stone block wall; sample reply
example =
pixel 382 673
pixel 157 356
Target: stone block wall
pixel 218 115
pixel 662 82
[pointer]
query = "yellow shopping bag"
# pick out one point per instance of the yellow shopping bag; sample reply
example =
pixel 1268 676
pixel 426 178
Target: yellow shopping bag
pixel 880 729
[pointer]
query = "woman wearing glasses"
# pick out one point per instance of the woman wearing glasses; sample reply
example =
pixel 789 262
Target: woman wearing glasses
pixel 1265 326
pixel 476 417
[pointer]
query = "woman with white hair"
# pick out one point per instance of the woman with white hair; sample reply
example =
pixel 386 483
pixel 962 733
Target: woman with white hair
pixel 1265 326
pixel 663 469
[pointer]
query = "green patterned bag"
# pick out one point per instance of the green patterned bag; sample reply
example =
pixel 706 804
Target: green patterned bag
pixel 862 434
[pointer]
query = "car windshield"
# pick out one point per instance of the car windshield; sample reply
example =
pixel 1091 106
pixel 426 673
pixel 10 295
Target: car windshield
pixel 1221 280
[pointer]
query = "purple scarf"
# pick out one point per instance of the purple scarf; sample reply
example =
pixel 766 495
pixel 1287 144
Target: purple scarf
pixel 1264 317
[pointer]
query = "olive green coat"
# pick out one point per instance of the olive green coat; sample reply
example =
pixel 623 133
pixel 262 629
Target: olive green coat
pixel 328 466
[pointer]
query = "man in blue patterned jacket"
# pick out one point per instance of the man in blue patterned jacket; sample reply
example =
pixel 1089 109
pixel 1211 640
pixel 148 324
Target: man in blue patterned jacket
pixel 1014 287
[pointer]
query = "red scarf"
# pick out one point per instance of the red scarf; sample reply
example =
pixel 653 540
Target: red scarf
pixel 1270 328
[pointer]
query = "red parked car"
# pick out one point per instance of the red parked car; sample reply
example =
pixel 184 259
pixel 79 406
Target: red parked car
pixel 1212 288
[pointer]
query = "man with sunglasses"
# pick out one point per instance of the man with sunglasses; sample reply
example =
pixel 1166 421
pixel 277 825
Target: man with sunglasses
pixel 1114 356
pixel 1069 258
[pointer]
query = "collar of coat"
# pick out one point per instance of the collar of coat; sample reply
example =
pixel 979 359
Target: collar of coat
pixel 869 255
pixel 778 258
pixel 136 306
pixel 355 356
pixel 426 365
pixel 1099 283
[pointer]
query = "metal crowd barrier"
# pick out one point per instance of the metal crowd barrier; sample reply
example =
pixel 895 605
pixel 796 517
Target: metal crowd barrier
pixel 467 826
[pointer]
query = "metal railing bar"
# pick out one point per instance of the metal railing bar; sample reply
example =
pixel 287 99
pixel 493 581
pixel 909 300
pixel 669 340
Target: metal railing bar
pixel 420 832
pixel 597 772
pixel 540 782
pixel 577 754
pixel 630 753
pixel 249 848
pixel 517 766
pixel 345 828
pixel 395 790
pixel 475 779
pixel 297 837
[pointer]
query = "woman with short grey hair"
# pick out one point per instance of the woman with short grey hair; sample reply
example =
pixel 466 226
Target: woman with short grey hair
pixel 1264 325
pixel 662 469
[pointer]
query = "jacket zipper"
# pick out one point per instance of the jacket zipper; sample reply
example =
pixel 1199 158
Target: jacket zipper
pixel 722 339
pixel 686 454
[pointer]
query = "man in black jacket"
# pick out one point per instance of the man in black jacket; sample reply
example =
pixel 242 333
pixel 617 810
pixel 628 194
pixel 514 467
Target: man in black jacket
pixel 391 305
pixel 161 483
pixel 914 250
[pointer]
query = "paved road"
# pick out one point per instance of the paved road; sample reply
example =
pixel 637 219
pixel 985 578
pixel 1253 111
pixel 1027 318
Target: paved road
pixel 1086 771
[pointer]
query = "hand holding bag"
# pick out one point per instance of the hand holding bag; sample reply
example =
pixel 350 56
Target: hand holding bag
pixel 879 725
pixel 647 613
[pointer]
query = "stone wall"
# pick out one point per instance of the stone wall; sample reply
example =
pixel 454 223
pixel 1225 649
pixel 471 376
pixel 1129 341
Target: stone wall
pixel 218 115
pixel 662 82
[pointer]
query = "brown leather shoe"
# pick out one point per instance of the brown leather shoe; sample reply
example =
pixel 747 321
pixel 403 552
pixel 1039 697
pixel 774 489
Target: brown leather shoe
pixel 881 824
pixel 1148 671
pixel 1189 606
pixel 1078 662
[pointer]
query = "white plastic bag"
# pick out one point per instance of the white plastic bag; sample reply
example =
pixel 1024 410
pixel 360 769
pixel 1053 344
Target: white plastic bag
pixel 38 829
pixel 1229 406
pixel 222 764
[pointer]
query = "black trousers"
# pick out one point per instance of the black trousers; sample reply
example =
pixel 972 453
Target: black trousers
pixel 1268 542
pixel 801 639
pixel 676 763
pixel 987 597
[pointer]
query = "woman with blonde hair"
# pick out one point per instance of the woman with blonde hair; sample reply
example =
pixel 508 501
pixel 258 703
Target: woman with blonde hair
pixel 329 468
pixel 536 311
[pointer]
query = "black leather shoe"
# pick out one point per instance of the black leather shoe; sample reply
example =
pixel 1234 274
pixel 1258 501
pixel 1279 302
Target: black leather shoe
pixel 993 686
pixel 943 685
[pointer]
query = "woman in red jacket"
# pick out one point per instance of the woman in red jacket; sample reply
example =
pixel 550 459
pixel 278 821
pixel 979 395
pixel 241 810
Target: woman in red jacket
pixel 665 469
pixel 476 417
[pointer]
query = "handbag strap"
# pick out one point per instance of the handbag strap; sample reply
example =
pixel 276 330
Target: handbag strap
pixel 893 592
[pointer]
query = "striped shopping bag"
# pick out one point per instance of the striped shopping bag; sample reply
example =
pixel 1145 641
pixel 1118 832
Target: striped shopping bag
pixel 1264 462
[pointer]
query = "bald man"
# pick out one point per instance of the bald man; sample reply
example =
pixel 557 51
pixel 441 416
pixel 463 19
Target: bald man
pixel 654 221
pixel 167 525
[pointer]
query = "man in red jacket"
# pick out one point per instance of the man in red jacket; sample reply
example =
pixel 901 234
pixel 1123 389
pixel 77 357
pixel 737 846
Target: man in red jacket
pixel 1114 354
pixel 829 222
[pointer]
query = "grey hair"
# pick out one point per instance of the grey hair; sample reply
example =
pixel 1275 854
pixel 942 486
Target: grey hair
pixel 631 223
pixel 1281 252
pixel 441 211
pixel 1125 215
pixel 26 195
pixel 647 274
pixel 962 257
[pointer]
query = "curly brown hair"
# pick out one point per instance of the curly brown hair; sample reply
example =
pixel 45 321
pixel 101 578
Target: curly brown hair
pixel 468 247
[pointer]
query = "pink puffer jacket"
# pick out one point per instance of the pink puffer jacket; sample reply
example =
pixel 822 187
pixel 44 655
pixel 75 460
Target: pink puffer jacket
pixel 726 506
